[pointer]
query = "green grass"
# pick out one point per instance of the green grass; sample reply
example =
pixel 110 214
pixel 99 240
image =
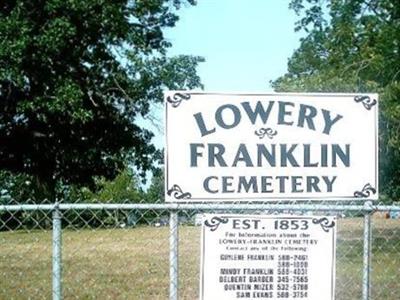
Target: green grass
pixel 133 263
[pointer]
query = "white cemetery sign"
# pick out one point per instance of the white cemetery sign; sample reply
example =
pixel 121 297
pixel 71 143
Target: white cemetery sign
pixel 257 147
pixel 267 257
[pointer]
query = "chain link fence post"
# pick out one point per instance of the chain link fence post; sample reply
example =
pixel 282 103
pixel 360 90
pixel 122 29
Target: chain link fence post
pixel 56 241
pixel 173 255
pixel 367 251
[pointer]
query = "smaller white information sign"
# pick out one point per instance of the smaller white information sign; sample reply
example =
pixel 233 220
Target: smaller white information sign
pixel 267 257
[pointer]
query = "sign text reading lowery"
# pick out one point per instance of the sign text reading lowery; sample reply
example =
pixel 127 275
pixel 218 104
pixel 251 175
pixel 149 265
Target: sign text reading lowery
pixel 260 147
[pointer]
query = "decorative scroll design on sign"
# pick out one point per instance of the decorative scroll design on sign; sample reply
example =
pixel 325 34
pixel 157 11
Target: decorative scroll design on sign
pixel 214 222
pixel 177 99
pixel 366 101
pixel 262 132
pixel 366 191
pixel 324 222
pixel 177 193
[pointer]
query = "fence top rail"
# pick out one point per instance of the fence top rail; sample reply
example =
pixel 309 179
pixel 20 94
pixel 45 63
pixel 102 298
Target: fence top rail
pixel 365 207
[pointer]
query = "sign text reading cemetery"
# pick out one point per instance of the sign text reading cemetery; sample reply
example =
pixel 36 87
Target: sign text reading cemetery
pixel 279 146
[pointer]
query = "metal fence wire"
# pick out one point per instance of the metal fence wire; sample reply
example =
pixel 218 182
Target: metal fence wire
pixel 152 251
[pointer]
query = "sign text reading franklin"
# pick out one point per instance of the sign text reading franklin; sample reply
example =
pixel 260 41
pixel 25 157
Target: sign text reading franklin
pixel 270 147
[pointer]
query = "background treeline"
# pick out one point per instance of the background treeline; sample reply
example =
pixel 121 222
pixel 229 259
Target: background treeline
pixel 125 188
pixel 353 46
pixel 78 77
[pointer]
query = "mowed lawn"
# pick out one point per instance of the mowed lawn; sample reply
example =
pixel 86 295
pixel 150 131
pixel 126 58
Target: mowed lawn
pixel 133 263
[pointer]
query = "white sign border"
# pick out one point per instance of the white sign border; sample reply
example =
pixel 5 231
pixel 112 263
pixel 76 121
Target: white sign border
pixel 365 193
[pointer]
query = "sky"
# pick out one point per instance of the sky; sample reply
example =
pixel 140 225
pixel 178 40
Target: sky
pixel 246 43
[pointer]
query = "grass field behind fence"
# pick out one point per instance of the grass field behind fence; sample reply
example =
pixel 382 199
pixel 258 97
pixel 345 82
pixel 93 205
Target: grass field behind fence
pixel 133 263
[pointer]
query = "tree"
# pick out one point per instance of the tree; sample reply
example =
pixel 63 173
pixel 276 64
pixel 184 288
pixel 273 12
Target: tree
pixel 353 46
pixel 74 77
pixel 122 189
pixel 155 193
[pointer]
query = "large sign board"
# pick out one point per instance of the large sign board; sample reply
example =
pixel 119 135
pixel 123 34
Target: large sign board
pixel 267 257
pixel 258 147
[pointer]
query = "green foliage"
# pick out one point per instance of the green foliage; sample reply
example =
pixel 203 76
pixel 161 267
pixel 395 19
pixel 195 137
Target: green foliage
pixel 17 189
pixel 155 193
pixel 74 77
pixel 353 46
pixel 122 189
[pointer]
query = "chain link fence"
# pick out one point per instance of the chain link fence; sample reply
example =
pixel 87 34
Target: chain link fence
pixel 152 251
